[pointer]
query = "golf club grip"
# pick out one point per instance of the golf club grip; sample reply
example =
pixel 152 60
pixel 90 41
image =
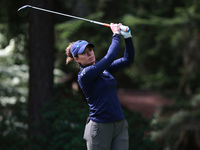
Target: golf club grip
pixel 124 28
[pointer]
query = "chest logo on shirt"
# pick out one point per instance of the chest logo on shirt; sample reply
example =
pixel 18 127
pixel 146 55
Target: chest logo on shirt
pixel 106 73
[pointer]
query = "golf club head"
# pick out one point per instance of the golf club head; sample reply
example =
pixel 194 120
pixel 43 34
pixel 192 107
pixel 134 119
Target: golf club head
pixel 24 10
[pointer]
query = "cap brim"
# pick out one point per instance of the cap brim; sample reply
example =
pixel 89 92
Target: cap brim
pixel 91 45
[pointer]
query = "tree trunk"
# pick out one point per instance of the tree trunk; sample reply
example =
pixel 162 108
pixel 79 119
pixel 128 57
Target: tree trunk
pixel 41 65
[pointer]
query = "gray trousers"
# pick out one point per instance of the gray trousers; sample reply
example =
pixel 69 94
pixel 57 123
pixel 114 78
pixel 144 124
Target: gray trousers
pixel 107 136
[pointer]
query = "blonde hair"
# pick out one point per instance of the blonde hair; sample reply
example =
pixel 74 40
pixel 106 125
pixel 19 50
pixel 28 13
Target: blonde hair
pixel 68 53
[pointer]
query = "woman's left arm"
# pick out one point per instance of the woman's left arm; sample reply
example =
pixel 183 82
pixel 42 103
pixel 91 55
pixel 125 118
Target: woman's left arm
pixel 128 58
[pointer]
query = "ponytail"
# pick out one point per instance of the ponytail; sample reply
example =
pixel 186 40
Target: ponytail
pixel 68 53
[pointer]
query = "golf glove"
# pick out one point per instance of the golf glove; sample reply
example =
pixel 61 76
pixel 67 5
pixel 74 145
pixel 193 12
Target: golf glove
pixel 126 34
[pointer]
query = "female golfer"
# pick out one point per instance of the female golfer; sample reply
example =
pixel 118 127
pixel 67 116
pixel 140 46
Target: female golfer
pixel 106 128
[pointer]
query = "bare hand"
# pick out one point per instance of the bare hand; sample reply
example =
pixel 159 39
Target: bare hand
pixel 115 28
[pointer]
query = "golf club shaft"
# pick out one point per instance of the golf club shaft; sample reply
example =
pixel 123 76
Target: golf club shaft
pixel 124 28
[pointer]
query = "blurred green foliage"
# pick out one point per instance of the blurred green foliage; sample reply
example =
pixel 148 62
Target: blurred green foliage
pixel 176 127
pixel 166 37
pixel 13 126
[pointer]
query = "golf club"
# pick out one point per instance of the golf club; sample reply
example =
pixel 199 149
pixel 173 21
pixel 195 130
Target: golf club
pixel 23 11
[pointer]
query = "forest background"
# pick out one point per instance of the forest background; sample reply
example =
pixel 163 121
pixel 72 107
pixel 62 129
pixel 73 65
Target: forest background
pixel 41 106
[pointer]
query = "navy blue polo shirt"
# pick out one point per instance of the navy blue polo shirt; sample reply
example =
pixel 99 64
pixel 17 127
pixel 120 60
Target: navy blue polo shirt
pixel 99 86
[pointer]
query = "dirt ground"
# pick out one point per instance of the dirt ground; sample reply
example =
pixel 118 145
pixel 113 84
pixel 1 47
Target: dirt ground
pixel 144 102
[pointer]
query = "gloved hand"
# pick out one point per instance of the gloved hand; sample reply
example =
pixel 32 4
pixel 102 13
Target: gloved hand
pixel 126 34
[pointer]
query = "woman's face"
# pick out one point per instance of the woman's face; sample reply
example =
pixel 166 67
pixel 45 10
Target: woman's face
pixel 86 58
